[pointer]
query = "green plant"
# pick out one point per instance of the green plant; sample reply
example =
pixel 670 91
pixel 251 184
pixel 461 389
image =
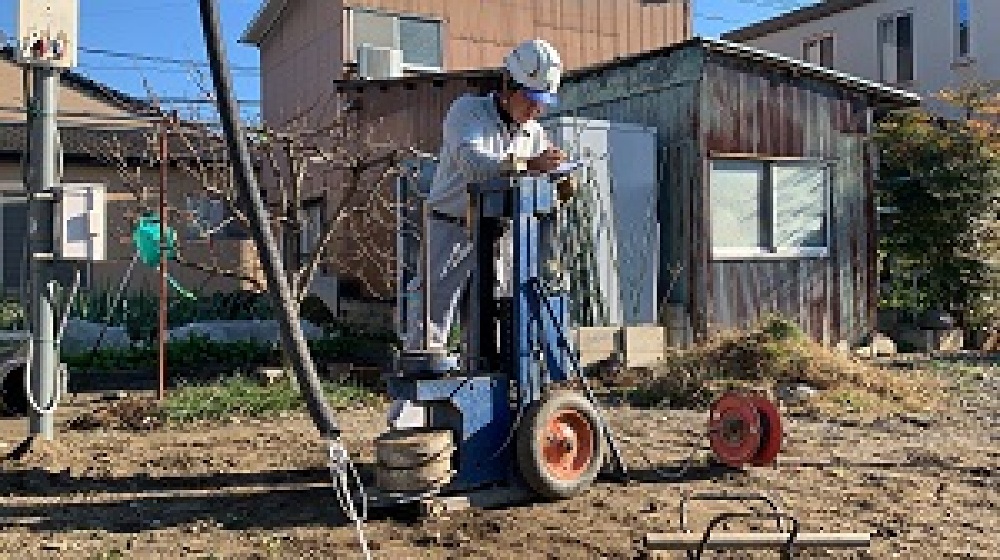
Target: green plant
pixel 11 315
pixel 240 396
pixel 940 178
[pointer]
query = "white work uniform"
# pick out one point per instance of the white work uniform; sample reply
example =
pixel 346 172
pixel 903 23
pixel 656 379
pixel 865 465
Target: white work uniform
pixel 476 144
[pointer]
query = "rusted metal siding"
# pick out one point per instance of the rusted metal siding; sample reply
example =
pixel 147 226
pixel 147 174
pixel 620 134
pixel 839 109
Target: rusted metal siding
pixel 749 109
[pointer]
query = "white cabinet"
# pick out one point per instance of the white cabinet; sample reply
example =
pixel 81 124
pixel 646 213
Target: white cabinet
pixel 611 232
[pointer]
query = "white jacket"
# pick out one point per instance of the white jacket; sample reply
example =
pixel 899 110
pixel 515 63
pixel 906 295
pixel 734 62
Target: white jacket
pixel 476 143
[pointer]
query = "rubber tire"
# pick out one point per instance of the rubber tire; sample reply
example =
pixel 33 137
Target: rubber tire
pixel 13 399
pixel 530 459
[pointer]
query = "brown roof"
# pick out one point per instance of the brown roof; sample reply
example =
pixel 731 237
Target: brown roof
pixel 793 18
pixel 101 145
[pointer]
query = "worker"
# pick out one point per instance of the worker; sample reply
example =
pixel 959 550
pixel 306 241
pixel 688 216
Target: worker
pixel 483 137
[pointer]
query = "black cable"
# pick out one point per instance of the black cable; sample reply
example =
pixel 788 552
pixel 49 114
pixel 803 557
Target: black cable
pixel 293 341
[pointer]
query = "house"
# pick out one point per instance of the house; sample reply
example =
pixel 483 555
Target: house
pixel 922 46
pixel 305 44
pixel 764 170
pixel 102 131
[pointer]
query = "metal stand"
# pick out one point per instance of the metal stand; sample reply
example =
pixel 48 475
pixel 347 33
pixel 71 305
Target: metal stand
pixel 513 351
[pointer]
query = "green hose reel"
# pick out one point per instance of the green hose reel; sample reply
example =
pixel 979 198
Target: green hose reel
pixel 146 237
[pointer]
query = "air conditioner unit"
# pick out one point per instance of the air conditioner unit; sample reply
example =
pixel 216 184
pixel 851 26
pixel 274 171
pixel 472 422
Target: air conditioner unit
pixel 379 63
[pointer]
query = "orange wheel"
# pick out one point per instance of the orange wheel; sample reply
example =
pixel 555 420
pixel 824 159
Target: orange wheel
pixel 734 429
pixel 560 445
pixel 567 444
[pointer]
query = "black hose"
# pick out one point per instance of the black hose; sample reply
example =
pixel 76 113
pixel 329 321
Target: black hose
pixel 293 342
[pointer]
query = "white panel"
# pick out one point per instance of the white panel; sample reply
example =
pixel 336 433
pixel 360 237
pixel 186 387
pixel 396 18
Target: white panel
pixel 619 193
pixel 81 226
pixel 47 32
pixel 634 194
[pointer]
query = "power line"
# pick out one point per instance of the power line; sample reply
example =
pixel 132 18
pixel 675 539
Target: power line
pixel 160 59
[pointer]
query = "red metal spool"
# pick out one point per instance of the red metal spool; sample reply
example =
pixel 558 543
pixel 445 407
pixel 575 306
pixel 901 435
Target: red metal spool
pixel 771 431
pixel 734 429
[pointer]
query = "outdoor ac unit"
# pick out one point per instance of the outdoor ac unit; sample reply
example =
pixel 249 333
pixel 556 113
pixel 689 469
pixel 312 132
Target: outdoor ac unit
pixel 379 63
pixel 80 224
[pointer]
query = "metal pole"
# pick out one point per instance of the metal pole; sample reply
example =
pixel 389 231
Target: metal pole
pixel 161 389
pixel 41 246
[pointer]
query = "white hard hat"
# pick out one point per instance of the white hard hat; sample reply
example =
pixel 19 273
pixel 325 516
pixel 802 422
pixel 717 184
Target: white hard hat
pixel 536 65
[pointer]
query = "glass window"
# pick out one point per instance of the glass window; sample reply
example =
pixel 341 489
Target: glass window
pixel 420 40
pixel 764 207
pixel 799 194
pixel 963 22
pixel 375 29
pixel 895 37
pixel 819 50
pixel 736 201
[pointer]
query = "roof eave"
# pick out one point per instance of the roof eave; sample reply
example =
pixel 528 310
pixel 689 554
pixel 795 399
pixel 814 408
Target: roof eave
pixel 894 96
pixel 793 18
pixel 263 21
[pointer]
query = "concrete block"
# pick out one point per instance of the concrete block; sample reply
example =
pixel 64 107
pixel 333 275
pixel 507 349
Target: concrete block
pixel 925 340
pixel 643 346
pixel 596 344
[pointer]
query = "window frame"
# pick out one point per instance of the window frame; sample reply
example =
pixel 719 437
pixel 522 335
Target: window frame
pixel 880 43
pixel 957 30
pixel 351 49
pixel 767 249
pixel 818 41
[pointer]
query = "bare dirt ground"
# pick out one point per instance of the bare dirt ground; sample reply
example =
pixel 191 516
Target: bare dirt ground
pixel 925 487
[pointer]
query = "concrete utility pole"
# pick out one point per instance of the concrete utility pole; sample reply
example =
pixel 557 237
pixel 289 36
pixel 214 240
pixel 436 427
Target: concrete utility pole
pixel 42 191
pixel 46 41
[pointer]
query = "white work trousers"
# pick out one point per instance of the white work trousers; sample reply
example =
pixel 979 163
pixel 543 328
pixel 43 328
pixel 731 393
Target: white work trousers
pixel 450 261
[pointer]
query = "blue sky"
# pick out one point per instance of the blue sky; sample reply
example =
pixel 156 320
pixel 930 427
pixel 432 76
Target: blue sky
pixel 171 29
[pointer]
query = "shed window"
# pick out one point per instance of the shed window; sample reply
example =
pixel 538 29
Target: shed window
pixel 895 39
pixel 418 38
pixel 769 208
pixel 819 51
pixel 312 226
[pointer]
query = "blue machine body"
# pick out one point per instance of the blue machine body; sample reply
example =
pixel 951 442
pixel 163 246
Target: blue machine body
pixel 517 343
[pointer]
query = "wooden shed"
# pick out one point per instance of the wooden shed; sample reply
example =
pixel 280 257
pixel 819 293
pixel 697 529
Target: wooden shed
pixel 766 181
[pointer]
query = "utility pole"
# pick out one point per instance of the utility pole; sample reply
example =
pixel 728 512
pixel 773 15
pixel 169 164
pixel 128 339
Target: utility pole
pixel 41 201
pixel 46 36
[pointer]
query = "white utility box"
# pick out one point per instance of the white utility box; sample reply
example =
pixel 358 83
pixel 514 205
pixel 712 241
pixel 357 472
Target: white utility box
pixel 617 256
pixel 47 32
pixel 80 222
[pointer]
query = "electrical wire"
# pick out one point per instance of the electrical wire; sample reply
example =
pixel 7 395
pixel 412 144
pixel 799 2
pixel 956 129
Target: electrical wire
pixel 344 473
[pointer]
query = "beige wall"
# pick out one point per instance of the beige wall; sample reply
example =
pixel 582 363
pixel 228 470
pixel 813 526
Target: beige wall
pixel 299 61
pixel 478 33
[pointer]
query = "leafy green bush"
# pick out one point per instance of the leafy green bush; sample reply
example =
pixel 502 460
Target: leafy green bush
pixel 139 312
pixel 200 353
